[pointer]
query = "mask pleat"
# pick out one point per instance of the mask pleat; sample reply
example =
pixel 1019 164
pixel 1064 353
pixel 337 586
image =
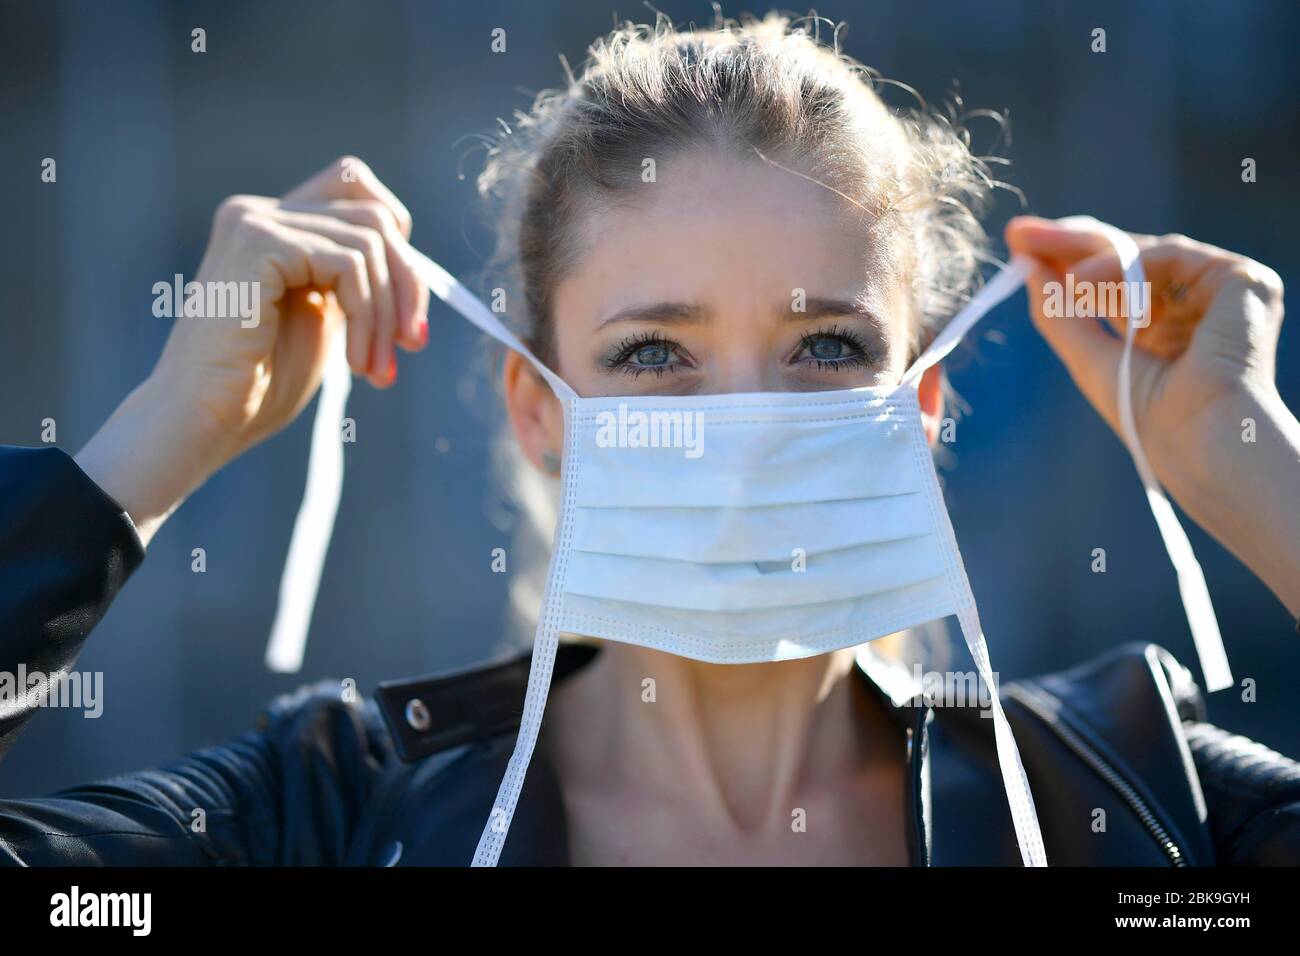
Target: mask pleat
pixel 763 634
pixel 813 579
pixel 833 456
pixel 767 533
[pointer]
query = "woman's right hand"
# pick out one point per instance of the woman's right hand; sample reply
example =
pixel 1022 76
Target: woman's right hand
pixel 332 250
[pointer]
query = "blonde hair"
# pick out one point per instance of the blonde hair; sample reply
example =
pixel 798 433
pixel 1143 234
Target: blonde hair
pixel 766 88
pixel 761 88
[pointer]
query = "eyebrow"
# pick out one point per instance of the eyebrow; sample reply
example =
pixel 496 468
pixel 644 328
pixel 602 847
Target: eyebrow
pixel 817 307
pixel 668 313
pixel 681 313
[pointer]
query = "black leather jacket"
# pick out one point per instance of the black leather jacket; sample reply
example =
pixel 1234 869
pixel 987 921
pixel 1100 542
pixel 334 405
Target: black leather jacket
pixel 322 781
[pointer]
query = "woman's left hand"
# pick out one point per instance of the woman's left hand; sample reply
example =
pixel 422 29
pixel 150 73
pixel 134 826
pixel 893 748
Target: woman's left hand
pixel 1214 323
pixel 1204 397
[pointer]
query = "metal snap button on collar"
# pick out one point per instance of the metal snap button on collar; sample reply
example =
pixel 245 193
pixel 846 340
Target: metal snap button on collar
pixel 417 715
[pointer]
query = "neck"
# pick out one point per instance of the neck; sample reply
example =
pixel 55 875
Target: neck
pixel 740 742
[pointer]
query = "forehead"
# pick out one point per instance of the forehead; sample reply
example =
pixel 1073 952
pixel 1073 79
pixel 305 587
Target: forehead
pixel 718 231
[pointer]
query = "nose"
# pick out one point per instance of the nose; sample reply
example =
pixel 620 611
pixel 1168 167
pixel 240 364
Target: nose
pixel 743 362
pixel 743 373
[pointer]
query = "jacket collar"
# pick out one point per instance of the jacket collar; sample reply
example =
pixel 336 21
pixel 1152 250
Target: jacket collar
pixel 435 713
pixel 430 714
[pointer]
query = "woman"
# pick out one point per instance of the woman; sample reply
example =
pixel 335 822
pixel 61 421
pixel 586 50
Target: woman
pixel 664 213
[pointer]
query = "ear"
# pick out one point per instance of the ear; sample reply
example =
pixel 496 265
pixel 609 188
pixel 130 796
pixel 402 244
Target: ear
pixel 930 395
pixel 535 413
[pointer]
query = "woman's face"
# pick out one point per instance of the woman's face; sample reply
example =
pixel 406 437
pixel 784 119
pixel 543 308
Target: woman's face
pixel 720 276
pixel 728 276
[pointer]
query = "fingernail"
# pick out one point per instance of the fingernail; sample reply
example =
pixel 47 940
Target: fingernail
pixel 422 330
pixel 392 369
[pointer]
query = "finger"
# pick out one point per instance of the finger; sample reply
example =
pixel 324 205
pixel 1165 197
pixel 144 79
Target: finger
pixel 309 259
pixel 1058 243
pixel 350 178
pixel 383 363
pixel 1179 287
pixel 1165 259
pixel 410 297
pixel 1090 355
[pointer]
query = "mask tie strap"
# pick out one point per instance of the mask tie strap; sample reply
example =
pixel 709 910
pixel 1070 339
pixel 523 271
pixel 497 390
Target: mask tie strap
pixel 547 638
pixel 1002 285
pixel 1015 782
pixel 1195 595
pixel 314 525
pixel 1192 588
pixel 447 288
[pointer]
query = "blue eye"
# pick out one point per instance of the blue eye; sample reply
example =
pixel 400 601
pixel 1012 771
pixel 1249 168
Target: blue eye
pixel 651 355
pixel 826 349
pixel 835 349
pixel 645 352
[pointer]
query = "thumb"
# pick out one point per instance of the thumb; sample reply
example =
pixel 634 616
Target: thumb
pixel 1090 354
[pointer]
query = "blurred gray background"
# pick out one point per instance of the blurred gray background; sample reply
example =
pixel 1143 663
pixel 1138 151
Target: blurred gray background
pixel 149 137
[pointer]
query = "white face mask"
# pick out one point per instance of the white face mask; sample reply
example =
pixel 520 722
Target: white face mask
pixel 739 529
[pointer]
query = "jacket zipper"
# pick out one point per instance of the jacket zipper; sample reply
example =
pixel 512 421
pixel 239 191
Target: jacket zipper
pixel 918 844
pixel 1108 773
